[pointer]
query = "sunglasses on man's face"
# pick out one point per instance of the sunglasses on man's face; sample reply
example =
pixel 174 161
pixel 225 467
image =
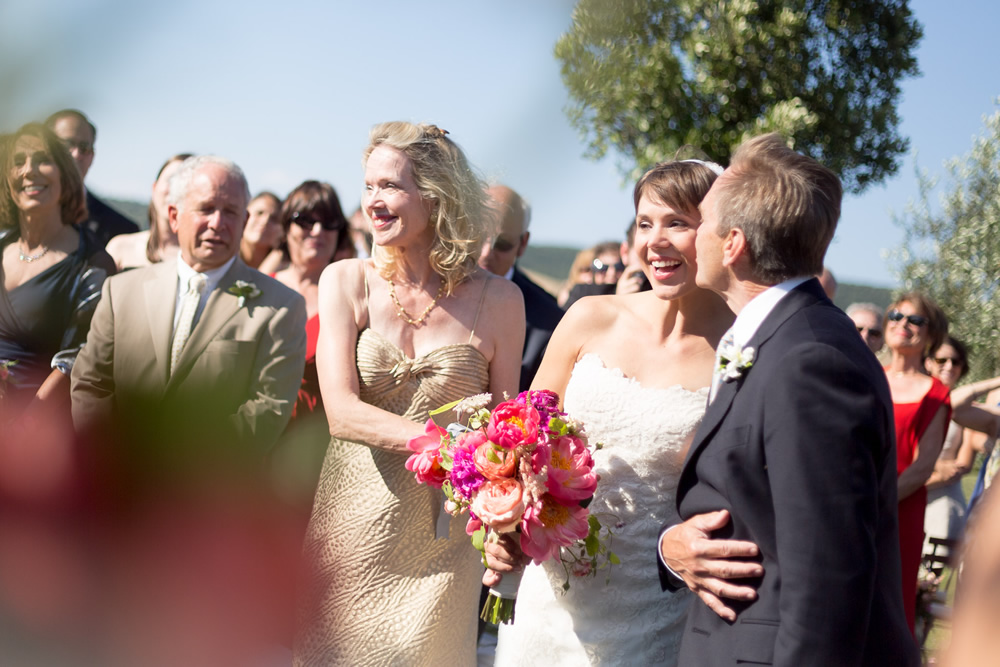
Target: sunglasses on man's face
pixel 915 320
pixel 500 244
pixel 871 331
pixel 307 222
pixel 600 267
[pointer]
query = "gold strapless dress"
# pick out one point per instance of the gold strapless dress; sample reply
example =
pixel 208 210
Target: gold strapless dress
pixel 381 589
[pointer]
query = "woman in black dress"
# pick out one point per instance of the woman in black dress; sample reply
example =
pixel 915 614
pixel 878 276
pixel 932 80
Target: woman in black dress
pixel 51 272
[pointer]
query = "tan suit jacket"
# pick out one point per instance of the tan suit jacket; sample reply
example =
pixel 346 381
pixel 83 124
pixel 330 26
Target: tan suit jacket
pixel 236 379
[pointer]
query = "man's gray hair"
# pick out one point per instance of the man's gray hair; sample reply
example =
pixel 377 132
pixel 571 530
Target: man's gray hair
pixel 864 306
pixel 181 180
pixel 526 210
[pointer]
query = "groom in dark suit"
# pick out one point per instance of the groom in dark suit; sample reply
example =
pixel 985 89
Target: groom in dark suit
pixel 788 493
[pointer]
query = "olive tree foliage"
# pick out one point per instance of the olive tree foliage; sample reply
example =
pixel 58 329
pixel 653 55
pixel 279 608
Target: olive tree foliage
pixel 952 251
pixel 647 77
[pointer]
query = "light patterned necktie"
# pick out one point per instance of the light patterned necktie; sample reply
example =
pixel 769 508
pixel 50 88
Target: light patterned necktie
pixel 727 341
pixel 189 306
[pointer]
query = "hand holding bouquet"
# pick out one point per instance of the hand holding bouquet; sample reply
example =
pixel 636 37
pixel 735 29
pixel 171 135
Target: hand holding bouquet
pixel 527 468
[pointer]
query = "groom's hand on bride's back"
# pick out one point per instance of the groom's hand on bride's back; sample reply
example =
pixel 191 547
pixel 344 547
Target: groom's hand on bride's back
pixel 710 566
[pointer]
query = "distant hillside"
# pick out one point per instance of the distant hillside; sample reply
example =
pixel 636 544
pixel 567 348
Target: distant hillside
pixel 554 263
pixel 135 211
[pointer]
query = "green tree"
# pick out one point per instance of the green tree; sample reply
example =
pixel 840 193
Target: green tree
pixel 952 252
pixel 649 76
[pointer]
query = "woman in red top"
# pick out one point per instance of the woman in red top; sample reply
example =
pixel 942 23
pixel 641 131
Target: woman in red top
pixel 315 234
pixel 914 326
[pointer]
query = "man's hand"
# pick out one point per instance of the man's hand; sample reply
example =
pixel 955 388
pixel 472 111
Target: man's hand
pixel 502 555
pixel 708 565
pixel 631 280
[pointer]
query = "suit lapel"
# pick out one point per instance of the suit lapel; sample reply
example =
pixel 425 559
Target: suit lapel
pixel 803 295
pixel 160 292
pixel 219 309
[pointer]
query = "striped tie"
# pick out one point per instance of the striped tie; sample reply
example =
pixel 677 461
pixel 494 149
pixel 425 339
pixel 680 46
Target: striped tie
pixel 189 306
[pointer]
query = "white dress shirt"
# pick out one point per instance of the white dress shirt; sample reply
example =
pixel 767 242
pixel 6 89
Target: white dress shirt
pixel 184 273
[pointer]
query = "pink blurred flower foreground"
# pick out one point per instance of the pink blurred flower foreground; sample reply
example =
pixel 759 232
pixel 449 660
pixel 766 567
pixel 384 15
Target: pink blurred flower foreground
pixel 525 467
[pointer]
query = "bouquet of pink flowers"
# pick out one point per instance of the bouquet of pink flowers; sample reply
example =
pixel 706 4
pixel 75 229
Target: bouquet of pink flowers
pixel 524 468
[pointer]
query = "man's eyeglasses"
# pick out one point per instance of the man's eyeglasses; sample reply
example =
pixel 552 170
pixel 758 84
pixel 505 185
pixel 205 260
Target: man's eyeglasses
pixel 500 244
pixel 872 331
pixel 915 320
pixel 599 266
pixel 84 147
pixel 307 222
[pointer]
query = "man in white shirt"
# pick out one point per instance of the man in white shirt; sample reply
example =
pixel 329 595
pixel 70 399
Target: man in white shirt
pixel 788 493
pixel 179 369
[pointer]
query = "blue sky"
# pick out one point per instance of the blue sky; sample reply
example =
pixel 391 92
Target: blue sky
pixel 290 89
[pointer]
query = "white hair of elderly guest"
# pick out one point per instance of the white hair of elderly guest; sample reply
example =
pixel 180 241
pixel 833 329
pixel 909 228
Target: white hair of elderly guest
pixel 181 179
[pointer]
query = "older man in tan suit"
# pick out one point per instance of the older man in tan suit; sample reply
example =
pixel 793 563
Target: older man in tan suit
pixel 197 351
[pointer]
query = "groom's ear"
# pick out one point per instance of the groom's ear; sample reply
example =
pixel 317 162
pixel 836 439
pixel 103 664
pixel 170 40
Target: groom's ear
pixel 734 246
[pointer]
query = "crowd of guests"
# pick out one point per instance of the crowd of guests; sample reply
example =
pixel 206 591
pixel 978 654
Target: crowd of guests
pixel 190 356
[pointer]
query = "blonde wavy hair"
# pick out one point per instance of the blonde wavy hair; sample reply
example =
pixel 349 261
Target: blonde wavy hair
pixel 443 176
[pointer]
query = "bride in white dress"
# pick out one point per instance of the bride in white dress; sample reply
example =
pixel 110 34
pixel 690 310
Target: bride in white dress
pixel 636 370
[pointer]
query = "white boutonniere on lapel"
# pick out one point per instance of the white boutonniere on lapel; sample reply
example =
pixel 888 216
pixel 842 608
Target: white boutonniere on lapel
pixel 244 290
pixel 734 361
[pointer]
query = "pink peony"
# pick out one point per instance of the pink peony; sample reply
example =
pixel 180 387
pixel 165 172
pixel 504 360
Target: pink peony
pixel 502 468
pixel 425 463
pixel 473 524
pixel 570 468
pixel 549 525
pixel 512 425
pixel 500 505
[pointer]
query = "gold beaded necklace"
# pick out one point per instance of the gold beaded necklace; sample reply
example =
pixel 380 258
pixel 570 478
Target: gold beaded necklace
pixel 405 316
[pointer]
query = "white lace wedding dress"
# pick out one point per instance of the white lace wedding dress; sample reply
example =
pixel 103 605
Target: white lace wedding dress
pixel 628 621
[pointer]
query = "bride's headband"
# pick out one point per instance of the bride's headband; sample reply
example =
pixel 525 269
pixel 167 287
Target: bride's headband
pixel 711 165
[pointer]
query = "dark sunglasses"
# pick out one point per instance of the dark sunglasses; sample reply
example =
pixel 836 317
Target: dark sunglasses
pixel 915 320
pixel 503 245
pixel 941 361
pixel 601 267
pixel 82 146
pixel 307 222
pixel 872 331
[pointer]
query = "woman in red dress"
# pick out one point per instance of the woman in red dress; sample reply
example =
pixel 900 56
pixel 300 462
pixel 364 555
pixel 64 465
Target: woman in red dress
pixel 914 326
pixel 315 235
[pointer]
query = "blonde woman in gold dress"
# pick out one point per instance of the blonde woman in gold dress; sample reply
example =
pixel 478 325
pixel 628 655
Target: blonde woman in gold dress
pixel 391 579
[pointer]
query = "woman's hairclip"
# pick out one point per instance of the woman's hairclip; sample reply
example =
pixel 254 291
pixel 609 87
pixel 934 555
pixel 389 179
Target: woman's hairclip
pixel 711 165
pixel 436 132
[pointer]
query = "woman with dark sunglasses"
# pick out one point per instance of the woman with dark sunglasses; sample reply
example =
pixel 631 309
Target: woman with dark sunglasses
pixel 914 326
pixel 315 231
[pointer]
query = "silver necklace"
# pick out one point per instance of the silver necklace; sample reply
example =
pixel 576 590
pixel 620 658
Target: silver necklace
pixel 29 258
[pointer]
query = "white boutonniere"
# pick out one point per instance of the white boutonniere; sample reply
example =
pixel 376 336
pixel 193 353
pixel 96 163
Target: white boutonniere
pixel 244 290
pixel 733 361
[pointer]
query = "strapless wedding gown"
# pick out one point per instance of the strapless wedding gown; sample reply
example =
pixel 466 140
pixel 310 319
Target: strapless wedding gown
pixel 381 589
pixel 628 621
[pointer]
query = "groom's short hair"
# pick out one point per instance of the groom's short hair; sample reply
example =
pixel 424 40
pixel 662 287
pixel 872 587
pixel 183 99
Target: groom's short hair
pixel 786 204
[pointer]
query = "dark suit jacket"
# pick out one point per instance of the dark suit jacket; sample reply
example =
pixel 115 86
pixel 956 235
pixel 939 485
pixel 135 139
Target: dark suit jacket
pixel 801 451
pixel 103 222
pixel 542 314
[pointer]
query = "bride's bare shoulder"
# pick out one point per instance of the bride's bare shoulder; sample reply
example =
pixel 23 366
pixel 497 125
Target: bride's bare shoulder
pixel 598 311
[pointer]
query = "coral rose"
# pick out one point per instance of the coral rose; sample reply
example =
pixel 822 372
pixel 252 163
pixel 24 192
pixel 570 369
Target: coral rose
pixel 512 425
pixel 500 505
pixel 502 465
